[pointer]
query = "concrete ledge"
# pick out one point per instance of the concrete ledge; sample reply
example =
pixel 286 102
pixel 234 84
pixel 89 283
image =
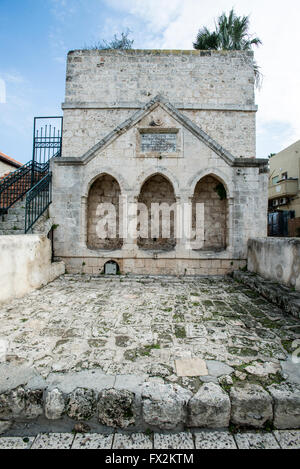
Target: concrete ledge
pixel 136 404
pixel 279 295
pixel 276 259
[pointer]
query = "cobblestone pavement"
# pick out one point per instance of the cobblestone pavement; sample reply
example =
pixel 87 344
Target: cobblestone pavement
pixel 141 325
pixel 281 439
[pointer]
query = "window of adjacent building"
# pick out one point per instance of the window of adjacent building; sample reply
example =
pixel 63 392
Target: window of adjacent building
pixel 284 175
pixel 275 180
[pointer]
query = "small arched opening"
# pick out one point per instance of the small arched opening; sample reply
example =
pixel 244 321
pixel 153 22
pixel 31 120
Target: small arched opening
pixel 111 268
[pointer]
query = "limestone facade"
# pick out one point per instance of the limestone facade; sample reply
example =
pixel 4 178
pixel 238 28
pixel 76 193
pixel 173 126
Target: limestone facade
pixel 173 127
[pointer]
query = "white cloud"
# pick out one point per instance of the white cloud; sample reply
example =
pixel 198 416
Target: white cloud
pixel 174 24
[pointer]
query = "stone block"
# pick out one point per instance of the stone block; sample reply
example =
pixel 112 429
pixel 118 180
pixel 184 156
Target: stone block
pixel 132 441
pixel 286 399
pixel 164 405
pixel 54 404
pixel 256 441
pixel 92 441
pixel 182 440
pixel 209 407
pixel 116 408
pixel 251 406
pixel 207 439
pixel 81 404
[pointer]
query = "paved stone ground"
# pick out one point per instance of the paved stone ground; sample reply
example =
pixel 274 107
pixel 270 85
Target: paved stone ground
pixel 141 325
pixel 282 439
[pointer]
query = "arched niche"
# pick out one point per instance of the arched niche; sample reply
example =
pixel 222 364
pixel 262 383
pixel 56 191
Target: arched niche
pixel 157 189
pixel 103 214
pixel 212 192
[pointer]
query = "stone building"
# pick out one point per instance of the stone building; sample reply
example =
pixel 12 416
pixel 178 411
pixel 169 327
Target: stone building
pixel 152 127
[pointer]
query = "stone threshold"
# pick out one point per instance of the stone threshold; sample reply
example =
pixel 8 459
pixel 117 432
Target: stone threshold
pixel 280 295
pixel 143 404
pixel 184 440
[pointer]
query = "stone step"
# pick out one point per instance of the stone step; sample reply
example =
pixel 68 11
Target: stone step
pixel 208 439
pixel 280 295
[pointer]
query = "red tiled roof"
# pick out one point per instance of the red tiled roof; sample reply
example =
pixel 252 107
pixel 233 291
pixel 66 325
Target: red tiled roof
pixel 7 159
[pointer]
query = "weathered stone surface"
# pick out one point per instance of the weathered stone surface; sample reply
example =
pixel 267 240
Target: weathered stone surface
pixel 53 441
pixel 256 441
pixel 279 295
pixel 116 407
pixel 217 368
pixel 87 353
pixel 4 426
pixel 286 398
pixel 288 439
pixel 54 404
pixel 251 406
pixel 291 369
pixel 225 380
pixel 34 403
pixel 183 440
pixel 132 441
pixel 209 408
pixel 16 442
pixel 12 376
pixel 90 379
pixel 164 405
pixel 263 369
pixel 81 404
pixel 214 440
pixel 92 441
pixel 12 403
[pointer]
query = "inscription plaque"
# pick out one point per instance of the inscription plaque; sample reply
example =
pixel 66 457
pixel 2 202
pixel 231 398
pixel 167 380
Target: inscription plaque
pixel 158 142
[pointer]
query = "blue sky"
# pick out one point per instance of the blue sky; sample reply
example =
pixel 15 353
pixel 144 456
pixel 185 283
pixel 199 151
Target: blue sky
pixel 36 35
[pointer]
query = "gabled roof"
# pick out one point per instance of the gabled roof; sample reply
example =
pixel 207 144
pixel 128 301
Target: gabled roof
pixel 10 161
pixel 139 115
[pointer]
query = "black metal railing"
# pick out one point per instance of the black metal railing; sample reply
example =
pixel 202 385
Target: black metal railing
pixel 47 144
pixel 14 186
pixel 47 141
pixel 38 200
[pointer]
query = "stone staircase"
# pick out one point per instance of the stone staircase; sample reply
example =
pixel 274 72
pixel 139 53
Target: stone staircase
pixel 13 223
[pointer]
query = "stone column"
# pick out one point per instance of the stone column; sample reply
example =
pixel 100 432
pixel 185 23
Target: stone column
pixel 183 225
pixel 128 223
pixel 231 235
pixel 83 221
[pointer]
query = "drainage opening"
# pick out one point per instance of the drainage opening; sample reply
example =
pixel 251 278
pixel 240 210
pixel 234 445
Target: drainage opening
pixel 111 268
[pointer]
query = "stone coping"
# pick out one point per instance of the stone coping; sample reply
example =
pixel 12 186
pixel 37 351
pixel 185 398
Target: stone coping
pixel 202 53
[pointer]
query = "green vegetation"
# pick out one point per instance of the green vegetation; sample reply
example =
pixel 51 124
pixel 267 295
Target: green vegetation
pixel 231 33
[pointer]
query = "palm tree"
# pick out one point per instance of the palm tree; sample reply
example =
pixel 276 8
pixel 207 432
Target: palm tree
pixel 231 33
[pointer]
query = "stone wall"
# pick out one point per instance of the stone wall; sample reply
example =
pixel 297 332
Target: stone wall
pixel 276 259
pixel 214 89
pixel 25 265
